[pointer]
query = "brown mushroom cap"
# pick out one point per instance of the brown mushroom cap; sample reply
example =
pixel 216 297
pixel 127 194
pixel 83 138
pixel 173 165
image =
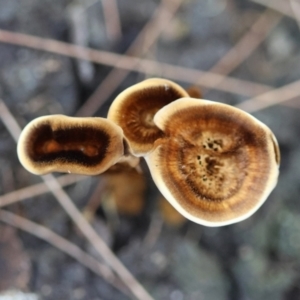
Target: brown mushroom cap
pixel 59 143
pixel 216 164
pixel 133 110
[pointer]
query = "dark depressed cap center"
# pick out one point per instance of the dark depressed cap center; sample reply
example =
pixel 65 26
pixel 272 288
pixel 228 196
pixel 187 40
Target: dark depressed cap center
pixel 65 144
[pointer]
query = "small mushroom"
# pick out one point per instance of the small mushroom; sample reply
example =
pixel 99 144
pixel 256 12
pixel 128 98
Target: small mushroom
pixel 133 110
pixel 194 92
pixel 215 164
pixel 169 214
pixel 59 143
pixel 120 192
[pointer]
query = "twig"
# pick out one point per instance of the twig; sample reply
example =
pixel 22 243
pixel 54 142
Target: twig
pixel 9 121
pixel 153 233
pixel 295 103
pixel 62 244
pixel 295 6
pixel 271 98
pixel 95 200
pixel 278 5
pixel 228 84
pixel 112 19
pixel 89 232
pixel 145 39
pixel 78 29
pixel 37 189
pixel 247 44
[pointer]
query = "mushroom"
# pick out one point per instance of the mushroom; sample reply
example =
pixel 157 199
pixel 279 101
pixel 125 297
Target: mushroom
pixel 215 164
pixel 169 214
pixel 194 92
pixel 120 192
pixel 134 108
pixel 59 143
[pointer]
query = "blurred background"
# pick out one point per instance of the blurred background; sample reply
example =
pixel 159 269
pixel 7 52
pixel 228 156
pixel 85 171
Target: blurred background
pixel 239 52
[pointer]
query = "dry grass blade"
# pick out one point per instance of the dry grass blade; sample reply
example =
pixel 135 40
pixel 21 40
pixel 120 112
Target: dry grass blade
pixel 62 244
pixel 128 279
pixel 228 84
pixel 271 98
pixel 247 44
pixel 278 5
pixel 112 19
pixel 145 39
pixel 37 189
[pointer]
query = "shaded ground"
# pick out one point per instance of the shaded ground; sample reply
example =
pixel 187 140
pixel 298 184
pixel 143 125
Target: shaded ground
pixel 256 259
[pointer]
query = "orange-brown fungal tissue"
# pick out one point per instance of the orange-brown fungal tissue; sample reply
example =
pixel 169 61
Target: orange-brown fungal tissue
pixel 59 143
pixel 134 109
pixel 194 92
pixel 215 164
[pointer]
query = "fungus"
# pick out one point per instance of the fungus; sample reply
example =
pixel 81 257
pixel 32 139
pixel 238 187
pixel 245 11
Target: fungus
pixel 125 192
pixel 133 110
pixel 121 192
pixel 215 164
pixel 169 214
pixel 194 92
pixel 59 143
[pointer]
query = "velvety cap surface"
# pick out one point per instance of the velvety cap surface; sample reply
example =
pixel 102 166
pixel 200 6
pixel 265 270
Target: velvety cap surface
pixel 59 143
pixel 216 163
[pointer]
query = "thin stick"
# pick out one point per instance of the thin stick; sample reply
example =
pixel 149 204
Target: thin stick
pixel 62 244
pixel 145 39
pixel 271 98
pixel 133 285
pixel 295 103
pixel 247 44
pixel 280 6
pixel 78 35
pixel 112 19
pixel 153 233
pixel 37 189
pixel 295 6
pixel 89 232
pixel 93 203
pixel 228 84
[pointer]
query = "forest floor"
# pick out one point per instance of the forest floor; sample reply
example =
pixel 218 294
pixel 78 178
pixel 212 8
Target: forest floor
pixel 253 44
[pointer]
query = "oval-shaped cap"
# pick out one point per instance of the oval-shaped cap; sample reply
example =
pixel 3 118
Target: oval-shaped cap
pixel 216 164
pixel 59 143
pixel 133 110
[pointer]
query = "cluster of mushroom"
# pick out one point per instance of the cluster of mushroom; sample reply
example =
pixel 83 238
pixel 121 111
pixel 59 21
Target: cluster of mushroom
pixel 214 163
